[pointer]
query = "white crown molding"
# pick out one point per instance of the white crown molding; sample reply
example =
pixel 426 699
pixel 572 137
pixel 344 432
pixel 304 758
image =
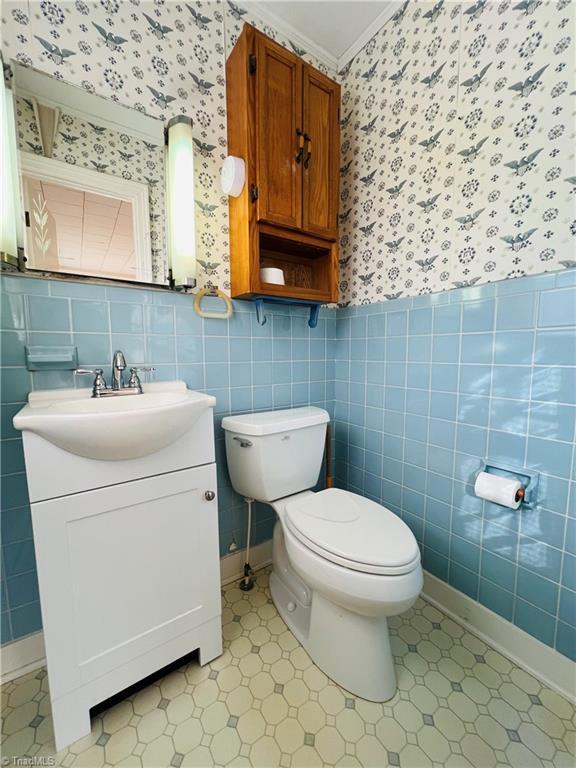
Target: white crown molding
pixel 281 25
pixel 391 6
pixel 264 13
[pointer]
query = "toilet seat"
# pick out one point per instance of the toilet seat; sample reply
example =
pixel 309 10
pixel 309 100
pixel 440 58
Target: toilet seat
pixel 354 532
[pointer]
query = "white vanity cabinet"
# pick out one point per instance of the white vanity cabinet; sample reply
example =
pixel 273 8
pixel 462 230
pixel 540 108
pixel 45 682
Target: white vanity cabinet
pixel 128 571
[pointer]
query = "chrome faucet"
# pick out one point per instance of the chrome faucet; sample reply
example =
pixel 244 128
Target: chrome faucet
pixel 118 367
pixel 99 388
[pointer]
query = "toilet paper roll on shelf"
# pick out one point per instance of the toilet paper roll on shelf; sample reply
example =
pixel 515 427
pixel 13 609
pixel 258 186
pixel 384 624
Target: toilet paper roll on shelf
pixel 506 491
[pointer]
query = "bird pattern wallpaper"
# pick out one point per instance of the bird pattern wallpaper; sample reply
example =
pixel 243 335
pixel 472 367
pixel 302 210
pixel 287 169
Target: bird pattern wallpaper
pixel 157 56
pixel 99 148
pixel 458 148
pixel 457 126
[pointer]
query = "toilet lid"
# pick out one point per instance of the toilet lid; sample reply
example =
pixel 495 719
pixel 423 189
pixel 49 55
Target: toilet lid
pixel 353 531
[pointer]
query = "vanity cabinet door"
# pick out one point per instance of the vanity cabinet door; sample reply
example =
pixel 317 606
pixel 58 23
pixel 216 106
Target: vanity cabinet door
pixel 322 154
pixel 279 119
pixel 126 574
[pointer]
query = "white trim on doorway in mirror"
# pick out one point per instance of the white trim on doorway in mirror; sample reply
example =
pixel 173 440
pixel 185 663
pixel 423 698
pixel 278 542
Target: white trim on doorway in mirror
pixel 86 180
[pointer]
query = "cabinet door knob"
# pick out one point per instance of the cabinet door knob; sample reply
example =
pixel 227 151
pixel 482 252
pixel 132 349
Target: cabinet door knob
pixel 209 495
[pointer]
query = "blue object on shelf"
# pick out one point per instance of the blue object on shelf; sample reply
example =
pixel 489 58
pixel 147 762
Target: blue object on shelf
pixel 528 477
pixel 43 358
pixel 261 317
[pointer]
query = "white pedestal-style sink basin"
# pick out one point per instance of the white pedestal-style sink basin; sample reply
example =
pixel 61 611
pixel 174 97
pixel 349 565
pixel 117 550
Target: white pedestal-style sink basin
pixel 113 428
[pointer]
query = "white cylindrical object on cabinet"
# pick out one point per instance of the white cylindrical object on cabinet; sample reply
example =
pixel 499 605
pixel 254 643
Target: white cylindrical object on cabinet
pixel 499 490
pixel 272 275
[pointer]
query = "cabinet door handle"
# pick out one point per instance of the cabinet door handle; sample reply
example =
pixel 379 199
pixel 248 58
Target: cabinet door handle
pixel 301 140
pixel 309 150
pixel 209 495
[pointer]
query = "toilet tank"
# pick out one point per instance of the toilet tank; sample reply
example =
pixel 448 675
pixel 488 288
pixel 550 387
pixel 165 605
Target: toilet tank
pixel 275 453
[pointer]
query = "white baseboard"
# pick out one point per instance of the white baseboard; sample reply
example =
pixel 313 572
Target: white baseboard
pixel 232 566
pixel 549 666
pixel 556 671
pixel 22 656
pixel 25 655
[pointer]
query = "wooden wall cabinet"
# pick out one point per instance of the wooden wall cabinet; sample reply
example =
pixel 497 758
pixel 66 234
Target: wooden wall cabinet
pixel 284 121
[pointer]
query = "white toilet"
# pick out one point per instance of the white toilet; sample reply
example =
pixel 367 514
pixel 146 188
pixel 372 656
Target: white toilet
pixel 341 563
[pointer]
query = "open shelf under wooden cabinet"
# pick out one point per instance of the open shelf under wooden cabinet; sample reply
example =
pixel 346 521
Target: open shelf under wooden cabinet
pixel 283 120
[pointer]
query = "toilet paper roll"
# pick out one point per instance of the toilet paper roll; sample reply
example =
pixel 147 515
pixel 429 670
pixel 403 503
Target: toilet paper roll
pixel 499 490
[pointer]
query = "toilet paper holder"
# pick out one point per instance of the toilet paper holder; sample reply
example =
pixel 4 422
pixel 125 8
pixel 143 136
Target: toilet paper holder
pixel 527 477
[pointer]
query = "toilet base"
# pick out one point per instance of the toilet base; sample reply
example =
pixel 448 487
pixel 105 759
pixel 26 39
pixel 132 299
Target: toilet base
pixel 353 650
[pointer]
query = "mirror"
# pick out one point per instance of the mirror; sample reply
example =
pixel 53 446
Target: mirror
pixel 92 180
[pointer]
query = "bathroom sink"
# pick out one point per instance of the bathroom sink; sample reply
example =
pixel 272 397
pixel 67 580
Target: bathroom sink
pixel 113 428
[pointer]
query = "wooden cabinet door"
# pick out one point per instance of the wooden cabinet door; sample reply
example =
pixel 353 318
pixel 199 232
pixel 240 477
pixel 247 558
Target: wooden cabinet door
pixel 322 154
pixel 279 116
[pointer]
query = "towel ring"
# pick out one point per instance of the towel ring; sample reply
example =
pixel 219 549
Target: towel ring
pixel 213 315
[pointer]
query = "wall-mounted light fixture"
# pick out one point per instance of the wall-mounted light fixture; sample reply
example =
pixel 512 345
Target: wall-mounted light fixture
pixel 10 218
pixel 180 198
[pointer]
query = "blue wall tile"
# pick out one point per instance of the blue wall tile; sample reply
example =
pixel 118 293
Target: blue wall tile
pixel 90 316
pixel 537 623
pixel 477 348
pixel 12 312
pixel 540 592
pixel 553 420
pixel 555 347
pixel 478 315
pixel 567 609
pixel 126 318
pixel 447 319
pixel 516 312
pixel 550 456
pixel 48 314
pixel 566 640
pixel 423 393
pixel 159 319
pixel 502 386
pixel 514 347
pixel 557 308
pixel 498 600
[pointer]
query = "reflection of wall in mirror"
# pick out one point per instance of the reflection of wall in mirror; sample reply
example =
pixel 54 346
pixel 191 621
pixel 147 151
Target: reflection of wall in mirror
pixel 87 145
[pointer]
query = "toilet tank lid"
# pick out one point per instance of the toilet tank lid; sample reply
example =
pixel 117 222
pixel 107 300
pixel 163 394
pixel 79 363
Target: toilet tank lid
pixel 271 422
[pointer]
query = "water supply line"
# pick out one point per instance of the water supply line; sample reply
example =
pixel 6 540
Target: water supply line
pixel 247 581
pixel 328 458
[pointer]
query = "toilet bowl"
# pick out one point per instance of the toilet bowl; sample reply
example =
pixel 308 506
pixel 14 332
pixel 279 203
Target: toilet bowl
pixel 341 563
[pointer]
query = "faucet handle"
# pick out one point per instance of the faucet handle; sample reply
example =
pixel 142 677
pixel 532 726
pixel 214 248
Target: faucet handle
pixel 99 382
pixel 135 379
